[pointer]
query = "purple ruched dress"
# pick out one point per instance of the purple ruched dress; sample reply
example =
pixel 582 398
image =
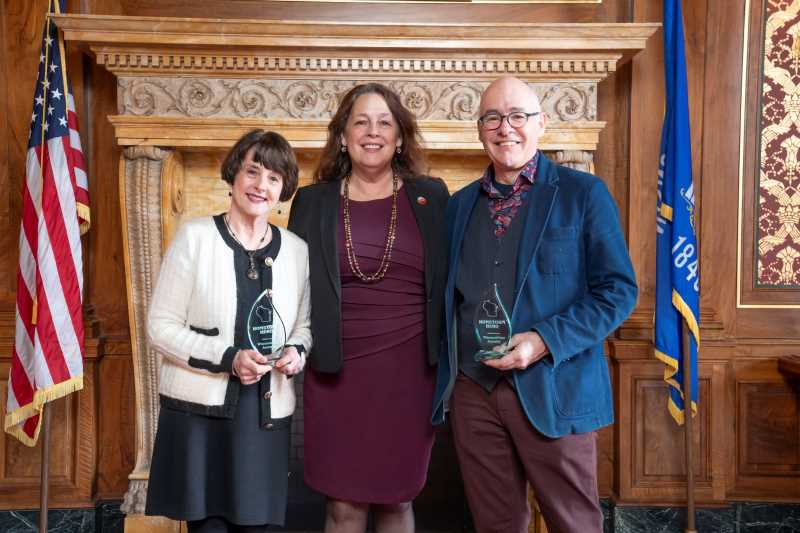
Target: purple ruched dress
pixel 368 435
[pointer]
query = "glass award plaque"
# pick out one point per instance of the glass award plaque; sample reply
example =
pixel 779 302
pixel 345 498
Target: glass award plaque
pixel 261 328
pixel 492 325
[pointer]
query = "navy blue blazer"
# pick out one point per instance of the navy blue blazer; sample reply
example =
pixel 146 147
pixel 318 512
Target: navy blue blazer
pixel 575 285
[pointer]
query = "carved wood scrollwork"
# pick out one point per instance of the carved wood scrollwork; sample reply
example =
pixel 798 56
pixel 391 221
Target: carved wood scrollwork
pixel 173 197
pixel 318 99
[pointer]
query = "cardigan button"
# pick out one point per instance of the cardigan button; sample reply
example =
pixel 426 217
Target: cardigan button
pixel 268 395
pixel 268 425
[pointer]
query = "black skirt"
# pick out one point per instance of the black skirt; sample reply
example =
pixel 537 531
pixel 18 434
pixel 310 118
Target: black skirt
pixel 205 466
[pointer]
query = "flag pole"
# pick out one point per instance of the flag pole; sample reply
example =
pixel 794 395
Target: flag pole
pixel 44 481
pixel 688 428
pixel 44 477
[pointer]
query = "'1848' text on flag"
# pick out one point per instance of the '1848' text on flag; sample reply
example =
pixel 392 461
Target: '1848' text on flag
pixel 677 264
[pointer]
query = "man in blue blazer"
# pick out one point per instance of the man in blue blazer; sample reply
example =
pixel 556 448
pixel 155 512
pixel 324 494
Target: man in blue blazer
pixel 549 238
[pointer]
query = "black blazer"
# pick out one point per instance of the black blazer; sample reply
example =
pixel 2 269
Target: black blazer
pixel 314 217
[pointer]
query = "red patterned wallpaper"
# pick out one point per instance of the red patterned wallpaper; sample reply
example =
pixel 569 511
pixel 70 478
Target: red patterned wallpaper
pixel 778 232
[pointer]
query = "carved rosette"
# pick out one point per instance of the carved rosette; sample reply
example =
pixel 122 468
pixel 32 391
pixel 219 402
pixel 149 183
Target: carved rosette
pixel 318 99
pixel 142 203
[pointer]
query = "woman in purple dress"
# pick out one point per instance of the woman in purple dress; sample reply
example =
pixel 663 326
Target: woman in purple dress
pixel 375 230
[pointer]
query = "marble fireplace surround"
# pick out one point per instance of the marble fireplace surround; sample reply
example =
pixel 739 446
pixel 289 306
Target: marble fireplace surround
pixel 192 85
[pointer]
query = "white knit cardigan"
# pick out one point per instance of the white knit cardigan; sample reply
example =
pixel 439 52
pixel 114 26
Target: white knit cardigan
pixel 196 291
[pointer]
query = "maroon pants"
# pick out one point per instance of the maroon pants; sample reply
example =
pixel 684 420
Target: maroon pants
pixel 499 452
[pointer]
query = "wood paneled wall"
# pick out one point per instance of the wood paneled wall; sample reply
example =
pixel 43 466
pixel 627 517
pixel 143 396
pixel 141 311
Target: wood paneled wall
pixel 749 412
pixel 748 446
pixel 6 240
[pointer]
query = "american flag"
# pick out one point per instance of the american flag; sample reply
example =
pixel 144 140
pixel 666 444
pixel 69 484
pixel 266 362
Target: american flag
pixel 47 360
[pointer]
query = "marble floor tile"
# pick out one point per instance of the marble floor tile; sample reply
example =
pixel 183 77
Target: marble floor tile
pixel 58 521
pixel 717 520
pixel 648 520
pixel 739 518
pixel 768 518
pixel 109 518
pixel 607 508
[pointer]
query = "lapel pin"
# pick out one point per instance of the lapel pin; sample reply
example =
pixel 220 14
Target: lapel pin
pixel 421 200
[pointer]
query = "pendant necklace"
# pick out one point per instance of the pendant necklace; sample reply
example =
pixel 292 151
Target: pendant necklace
pixel 252 273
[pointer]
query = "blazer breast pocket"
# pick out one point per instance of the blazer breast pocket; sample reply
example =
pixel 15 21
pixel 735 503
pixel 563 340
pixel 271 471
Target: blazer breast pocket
pixel 559 251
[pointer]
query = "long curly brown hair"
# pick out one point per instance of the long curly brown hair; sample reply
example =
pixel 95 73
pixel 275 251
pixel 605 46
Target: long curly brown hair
pixel 334 164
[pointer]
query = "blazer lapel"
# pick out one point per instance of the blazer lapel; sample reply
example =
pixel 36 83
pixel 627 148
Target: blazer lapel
pixel 541 198
pixel 466 203
pixel 423 215
pixel 328 227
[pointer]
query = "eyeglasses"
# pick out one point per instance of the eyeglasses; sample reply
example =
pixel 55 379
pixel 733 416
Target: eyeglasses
pixel 517 119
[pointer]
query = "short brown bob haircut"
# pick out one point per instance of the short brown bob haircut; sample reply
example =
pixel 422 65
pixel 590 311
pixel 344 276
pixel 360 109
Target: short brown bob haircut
pixel 408 164
pixel 272 151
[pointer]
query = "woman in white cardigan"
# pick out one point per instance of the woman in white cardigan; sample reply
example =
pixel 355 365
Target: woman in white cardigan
pixel 220 459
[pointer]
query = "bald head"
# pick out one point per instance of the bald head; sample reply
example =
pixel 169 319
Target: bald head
pixel 510 147
pixel 509 87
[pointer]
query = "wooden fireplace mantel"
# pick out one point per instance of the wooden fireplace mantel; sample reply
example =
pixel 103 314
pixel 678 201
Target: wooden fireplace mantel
pixel 188 88
pixel 533 40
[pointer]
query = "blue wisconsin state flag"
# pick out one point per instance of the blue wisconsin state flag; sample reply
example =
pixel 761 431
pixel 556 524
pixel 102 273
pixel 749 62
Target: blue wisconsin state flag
pixel 677 266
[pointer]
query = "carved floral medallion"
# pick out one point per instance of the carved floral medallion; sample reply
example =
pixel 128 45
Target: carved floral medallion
pixel 318 99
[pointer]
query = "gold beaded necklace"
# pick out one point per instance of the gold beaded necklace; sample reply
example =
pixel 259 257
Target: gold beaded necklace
pixel 390 237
